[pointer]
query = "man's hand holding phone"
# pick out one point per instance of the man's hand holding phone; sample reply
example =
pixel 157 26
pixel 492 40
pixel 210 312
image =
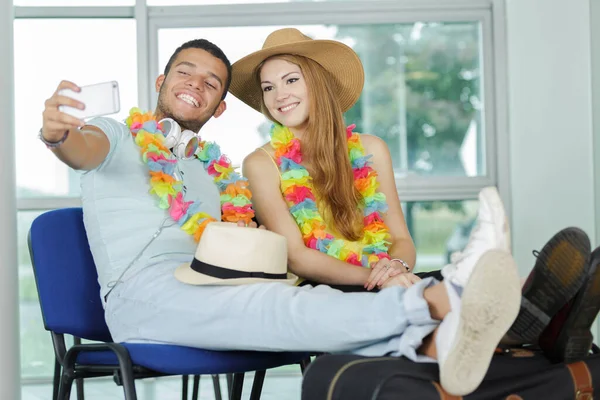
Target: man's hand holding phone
pixel 70 104
pixel 56 122
pixel 64 114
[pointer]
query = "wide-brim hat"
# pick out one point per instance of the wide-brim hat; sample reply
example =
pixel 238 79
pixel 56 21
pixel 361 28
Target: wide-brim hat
pixel 231 255
pixel 342 63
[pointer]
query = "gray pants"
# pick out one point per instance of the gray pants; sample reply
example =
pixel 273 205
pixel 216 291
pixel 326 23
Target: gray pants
pixel 153 306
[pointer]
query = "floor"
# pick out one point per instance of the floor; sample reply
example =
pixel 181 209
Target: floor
pixel 278 386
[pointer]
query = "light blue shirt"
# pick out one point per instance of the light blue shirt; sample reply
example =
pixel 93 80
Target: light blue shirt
pixel 121 216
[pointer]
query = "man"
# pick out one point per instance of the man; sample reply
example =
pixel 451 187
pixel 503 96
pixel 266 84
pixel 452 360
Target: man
pixel 137 246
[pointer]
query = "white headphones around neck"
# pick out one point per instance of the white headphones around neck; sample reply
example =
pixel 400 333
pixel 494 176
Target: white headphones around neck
pixel 183 144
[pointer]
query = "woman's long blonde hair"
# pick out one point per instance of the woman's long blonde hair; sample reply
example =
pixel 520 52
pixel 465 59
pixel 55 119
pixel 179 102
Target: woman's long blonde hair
pixel 325 147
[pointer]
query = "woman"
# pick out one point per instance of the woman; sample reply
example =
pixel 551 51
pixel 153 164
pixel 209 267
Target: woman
pixel 328 190
pixel 325 189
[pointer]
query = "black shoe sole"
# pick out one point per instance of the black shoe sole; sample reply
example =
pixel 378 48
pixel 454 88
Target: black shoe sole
pixel 575 338
pixel 559 272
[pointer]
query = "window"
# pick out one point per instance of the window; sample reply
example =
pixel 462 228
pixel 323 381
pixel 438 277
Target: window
pixel 422 91
pixel 422 94
pixel 439 228
pixel 46 52
pixel 37 356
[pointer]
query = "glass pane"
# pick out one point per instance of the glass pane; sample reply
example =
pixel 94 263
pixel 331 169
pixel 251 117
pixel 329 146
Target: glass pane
pixel 439 228
pixel 422 91
pixel 37 356
pixel 73 3
pixel 102 50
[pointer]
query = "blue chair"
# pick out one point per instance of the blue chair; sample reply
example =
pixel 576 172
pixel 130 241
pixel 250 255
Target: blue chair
pixel 67 284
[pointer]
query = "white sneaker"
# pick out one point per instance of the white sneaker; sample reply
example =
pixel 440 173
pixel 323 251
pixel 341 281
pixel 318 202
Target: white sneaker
pixel 490 232
pixel 481 313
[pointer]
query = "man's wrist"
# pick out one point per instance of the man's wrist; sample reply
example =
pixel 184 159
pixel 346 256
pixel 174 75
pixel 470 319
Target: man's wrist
pixel 53 144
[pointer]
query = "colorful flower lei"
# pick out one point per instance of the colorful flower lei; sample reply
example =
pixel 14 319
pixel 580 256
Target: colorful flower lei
pixel 298 191
pixel 235 196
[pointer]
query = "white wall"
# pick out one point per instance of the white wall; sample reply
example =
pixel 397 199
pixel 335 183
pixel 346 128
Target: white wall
pixel 10 387
pixel 550 127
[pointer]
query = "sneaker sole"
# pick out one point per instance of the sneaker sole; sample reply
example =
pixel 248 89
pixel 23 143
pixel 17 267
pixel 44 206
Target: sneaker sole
pixel 560 270
pixel 489 305
pixel 575 338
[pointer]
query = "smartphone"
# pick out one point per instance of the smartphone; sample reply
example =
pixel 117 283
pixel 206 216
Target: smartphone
pixel 99 99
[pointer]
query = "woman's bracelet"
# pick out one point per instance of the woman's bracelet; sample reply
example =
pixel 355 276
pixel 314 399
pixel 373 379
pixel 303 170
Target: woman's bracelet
pixel 404 264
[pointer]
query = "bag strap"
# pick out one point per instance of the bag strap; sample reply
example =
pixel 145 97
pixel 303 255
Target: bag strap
pixel 582 381
pixel 443 394
pixel 345 367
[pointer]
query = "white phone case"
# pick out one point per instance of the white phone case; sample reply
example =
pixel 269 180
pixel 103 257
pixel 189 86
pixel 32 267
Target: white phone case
pixel 99 99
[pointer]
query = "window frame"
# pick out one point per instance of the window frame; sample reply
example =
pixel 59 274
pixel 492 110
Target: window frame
pixel 493 50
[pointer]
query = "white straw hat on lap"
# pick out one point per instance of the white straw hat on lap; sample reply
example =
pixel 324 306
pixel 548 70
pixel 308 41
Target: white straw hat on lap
pixel 231 255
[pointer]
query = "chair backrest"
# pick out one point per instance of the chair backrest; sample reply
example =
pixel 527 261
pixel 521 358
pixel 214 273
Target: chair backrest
pixel 66 277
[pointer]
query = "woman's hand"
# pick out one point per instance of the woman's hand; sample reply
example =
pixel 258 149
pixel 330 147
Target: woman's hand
pixel 382 271
pixel 406 279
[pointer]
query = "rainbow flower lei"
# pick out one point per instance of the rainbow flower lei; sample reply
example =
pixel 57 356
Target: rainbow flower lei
pixel 235 196
pixel 298 191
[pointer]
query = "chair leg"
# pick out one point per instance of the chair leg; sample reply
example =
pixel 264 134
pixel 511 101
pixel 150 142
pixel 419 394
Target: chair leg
pixel 196 387
pixel 184 387
pixel 79 388
pixel 79 381
pixel 237 386
pixel 257 385
pixel 229 382
pixel 304 364
pixel 217 387
pixel 128 382
pixel 64 391
pixel 56 381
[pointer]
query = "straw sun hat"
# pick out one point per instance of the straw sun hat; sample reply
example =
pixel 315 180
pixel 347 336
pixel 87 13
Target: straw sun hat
pixel 342 63
pixel 231 255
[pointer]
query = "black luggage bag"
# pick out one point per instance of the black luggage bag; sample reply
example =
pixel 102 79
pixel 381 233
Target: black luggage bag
pixel 514 374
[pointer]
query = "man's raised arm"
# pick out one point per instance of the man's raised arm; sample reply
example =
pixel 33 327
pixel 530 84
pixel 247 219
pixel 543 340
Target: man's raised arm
pixel 80 147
